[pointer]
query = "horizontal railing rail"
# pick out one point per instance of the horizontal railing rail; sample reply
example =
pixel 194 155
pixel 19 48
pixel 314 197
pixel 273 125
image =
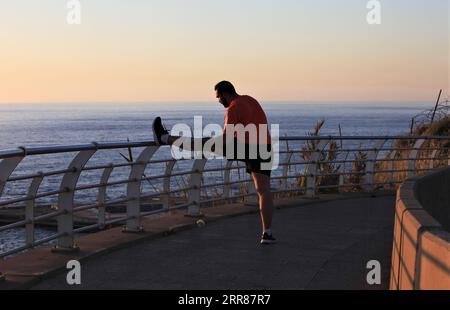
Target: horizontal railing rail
pixel 309 166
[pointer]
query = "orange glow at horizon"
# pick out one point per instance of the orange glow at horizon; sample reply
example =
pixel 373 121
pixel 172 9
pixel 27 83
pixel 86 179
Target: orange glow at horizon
pixel 168 54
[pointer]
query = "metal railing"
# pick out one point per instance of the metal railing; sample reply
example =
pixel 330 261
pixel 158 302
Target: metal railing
pixel 314 165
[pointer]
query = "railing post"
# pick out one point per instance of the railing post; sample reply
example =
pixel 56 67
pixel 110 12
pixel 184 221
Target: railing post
pixel 390 166
pixel 29 209
pixel 284 180
pixel 341 173
pixel 413 156
pixel 101 198
pixel 7 167
pixel 134 190
pixel 433 156
pixel 370 166
pixel 311 168
pixel 195 190
pixel 227 179
pixel 166 185
pixel 65 201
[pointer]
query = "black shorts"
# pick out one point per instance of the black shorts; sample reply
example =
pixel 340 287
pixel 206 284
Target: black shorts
pixel 253 164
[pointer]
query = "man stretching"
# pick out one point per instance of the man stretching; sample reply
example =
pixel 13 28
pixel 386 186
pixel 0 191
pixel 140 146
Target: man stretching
pixel 240 110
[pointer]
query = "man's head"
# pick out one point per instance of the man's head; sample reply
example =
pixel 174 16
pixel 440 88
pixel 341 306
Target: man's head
pixel 225 92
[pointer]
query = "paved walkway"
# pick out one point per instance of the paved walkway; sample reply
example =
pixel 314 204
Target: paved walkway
pixel 321 246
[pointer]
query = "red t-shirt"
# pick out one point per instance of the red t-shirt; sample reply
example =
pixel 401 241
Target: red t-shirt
pixel 246 110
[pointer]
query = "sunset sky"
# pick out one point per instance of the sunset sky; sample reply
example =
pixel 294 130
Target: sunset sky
pixel 176 50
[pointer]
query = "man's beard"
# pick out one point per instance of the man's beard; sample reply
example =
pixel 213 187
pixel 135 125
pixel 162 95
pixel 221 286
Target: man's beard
pixel 225 103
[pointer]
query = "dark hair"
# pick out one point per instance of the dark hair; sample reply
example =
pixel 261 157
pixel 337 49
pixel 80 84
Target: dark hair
pixel 225 87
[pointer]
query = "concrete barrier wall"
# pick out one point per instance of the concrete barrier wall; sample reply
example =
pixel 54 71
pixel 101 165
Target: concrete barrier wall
pixel 421 244
pixel 433 192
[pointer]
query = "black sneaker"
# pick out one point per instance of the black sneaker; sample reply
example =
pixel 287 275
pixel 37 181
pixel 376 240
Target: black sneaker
pixel 268 239
pixel 158 130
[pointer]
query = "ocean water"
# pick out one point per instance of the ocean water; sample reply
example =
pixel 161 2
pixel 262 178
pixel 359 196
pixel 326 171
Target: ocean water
pixel 43 125
pixel 53 124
